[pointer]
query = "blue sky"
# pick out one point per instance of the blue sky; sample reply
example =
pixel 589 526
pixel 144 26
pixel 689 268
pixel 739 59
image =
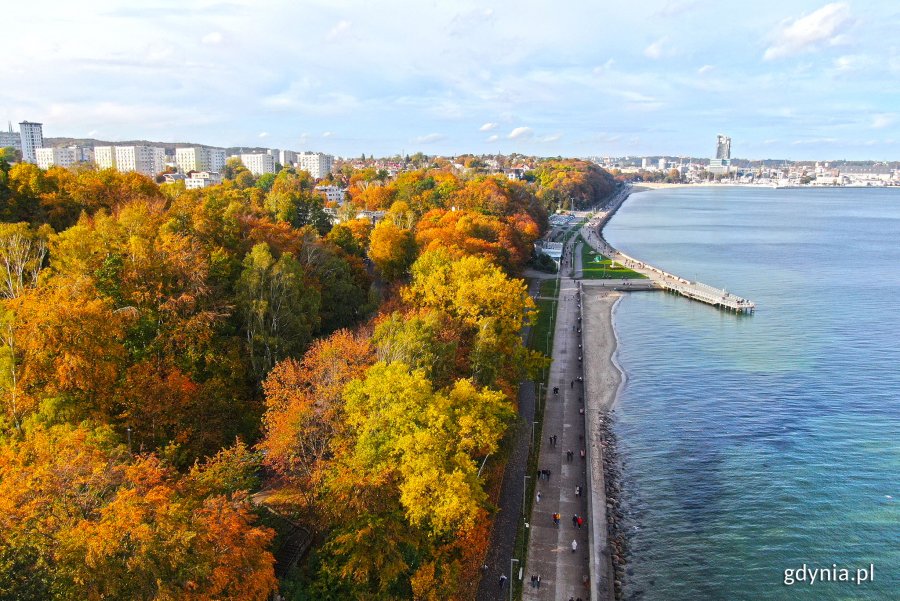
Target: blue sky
pixel 790 79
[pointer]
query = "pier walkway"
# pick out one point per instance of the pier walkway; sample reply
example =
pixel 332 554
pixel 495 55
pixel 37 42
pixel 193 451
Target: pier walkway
pixel 722 299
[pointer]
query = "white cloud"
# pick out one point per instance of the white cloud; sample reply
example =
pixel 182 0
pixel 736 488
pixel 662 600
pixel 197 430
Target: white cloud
pixel 705 69
pixel 263 134
pixel 822 27
pixel 213 37
pixel 882 120
pixel 327 134
pixel 429 138
pixel 550 138
pixel 493 138
pixel 655 50
pixel 336 31
pixel 520 133
pixel 488 127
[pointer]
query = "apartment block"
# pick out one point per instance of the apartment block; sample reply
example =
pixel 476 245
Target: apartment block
pixel 50 157
pixel 148 160
pixel 199 158
pixel 316 164
pixel 105 157
pixel 259 163
pixel 32 137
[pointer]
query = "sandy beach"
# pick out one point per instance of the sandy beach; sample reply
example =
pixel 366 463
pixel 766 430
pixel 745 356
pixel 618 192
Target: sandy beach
pixel 602 379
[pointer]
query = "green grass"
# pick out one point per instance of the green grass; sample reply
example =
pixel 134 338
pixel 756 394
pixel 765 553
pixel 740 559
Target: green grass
pixel 550 288
pixel 599 267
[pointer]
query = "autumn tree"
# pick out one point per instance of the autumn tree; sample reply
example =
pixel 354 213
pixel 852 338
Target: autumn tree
pixel 392 249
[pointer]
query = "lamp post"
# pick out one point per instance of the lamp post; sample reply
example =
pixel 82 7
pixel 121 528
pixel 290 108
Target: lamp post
pixel 533 428
pixel 511 560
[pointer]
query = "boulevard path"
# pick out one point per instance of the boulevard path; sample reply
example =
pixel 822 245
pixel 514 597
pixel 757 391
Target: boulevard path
pixel 563 573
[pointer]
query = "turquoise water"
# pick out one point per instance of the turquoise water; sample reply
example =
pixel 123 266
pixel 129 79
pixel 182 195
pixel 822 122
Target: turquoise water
pixel 756 444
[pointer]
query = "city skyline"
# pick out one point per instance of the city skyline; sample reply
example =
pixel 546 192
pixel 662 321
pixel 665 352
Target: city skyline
pixel 800 82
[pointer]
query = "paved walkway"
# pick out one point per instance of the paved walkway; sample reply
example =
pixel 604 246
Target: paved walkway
pixel 563 572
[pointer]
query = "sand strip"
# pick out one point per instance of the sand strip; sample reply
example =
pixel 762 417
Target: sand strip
pixel 602 378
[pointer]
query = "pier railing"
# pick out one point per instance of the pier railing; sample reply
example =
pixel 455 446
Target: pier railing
pixel 698 291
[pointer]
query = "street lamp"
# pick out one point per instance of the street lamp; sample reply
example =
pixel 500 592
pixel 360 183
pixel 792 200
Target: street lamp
pixel 533 427
pixel 511 560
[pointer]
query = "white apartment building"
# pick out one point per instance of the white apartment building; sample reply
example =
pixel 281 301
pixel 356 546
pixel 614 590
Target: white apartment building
pixel 148 160
pixel 259 163
pixel 202 179
pixel 316 164
pixel 105 157
pixel 60 157
pixel 216 159
pixel 332 193
pixel 32 136
pixel 287 157
pixel 199 158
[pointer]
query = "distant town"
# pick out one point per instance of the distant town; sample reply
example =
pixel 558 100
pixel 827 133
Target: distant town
pixel 199 166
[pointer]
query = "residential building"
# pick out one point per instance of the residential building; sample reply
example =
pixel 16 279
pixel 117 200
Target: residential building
pixel 171 178
pixel 10 139
pixel 259 163
pixel 148 160
pixel 105 157
pixel 662 164
pixel 49 157
pixel 199 158
pixel 202 179
pixel 332 193
pixel 316 164
pixel 216 159
pixel 32 137
pixel 287 157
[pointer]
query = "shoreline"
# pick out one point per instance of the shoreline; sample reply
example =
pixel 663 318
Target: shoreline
pixel 603 382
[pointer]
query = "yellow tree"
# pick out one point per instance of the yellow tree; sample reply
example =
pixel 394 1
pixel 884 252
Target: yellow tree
pixel 392 249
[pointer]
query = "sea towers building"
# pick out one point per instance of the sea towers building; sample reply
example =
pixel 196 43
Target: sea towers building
pixel 722 163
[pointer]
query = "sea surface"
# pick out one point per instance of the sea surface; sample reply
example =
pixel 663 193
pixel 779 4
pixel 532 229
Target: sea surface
pixel 756 444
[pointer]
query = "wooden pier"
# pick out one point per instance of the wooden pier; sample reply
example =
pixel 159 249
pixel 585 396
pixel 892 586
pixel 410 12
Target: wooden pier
pixel 698 291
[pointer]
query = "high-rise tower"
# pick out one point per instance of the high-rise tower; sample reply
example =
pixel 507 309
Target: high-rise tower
pixel 32 138
pixel 723 147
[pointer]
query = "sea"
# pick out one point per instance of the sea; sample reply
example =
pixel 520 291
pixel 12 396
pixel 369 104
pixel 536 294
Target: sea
pixel 758 448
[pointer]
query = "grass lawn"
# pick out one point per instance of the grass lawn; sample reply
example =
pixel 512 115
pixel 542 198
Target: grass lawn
pixel 598 267
pixel 550 288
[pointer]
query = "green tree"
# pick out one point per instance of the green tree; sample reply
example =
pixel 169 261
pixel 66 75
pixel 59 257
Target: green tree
pixel 280 309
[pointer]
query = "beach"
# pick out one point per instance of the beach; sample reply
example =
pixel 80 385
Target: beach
pixel 602 379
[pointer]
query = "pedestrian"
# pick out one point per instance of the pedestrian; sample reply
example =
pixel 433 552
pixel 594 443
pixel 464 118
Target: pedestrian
pixel 533 580
pixel 539 497
pixel 580 521
pixel 539 581
pixel 572 385
pixel 574 545
pixel 502 580
pixel 577 491
pixel 575 521
pixel 582 453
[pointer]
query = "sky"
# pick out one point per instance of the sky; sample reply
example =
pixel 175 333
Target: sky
pixel 790 79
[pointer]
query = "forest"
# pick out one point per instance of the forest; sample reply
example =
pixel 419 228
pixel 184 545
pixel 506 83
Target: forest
pixel 180 367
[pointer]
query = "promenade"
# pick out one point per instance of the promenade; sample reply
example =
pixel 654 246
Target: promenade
pixel 563 573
